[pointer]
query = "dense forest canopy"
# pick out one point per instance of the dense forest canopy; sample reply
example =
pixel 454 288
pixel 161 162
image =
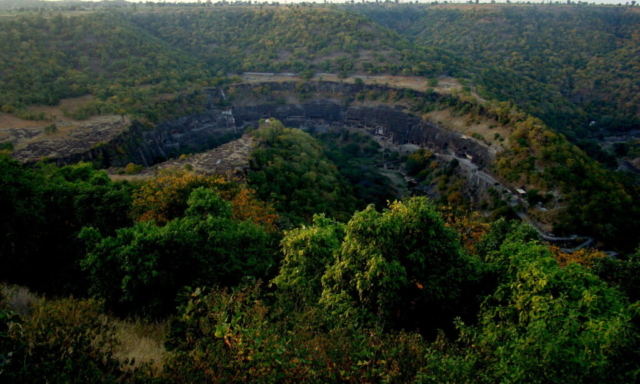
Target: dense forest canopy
pixel 545 58
pixel 397 294
pixel 304 267
pixel 294 39
pixel 567 65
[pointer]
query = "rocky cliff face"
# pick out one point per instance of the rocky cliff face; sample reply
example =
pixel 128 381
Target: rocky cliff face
pixel 393 122
pixel 226 118
pixel 148 145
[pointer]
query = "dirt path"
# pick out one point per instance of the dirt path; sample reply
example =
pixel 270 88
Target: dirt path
pixel 445 84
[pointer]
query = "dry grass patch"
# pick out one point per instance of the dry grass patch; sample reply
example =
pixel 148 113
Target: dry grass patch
pixel 69 104
pixel 418 83
pixel 10 121
pixel 62 132
pixel 141 341
pixel 493 132
pixel 132 178
pixel 17 299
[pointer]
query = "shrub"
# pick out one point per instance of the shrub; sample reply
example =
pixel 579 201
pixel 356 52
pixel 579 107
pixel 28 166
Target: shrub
pixel 65 341
pixel 401 267
pixel 50 129
pixel 132 169
pixel 232 336
pixel 143 268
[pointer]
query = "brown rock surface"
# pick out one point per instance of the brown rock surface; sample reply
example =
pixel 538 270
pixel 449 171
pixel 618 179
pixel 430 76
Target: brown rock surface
pixel 228 159
pixel 32 144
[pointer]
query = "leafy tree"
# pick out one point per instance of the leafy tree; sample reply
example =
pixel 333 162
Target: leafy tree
pixel 290 170
pixel 308 251
pixel 143 268
pixel 246 206
pixel 545 323
pixel 471 226
pixel 355 156
pixel 43 211
pixel 165 198
pixel 21 210
pixel 418 161
pixel 585 256
pixel 402 266
pixel 50 129
pixel 622 273
pixel 234 336
pixel 132 169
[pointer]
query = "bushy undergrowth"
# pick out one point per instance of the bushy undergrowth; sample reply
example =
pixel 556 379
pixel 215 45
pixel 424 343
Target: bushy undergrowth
pixel 63 341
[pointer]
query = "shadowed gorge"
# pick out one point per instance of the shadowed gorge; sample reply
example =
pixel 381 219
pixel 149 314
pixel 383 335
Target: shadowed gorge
pixel 147 145
pixel 368 192
pixel 533 157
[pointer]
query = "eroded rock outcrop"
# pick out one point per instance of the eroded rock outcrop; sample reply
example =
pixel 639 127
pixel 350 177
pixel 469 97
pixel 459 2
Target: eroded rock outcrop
pixel 227 117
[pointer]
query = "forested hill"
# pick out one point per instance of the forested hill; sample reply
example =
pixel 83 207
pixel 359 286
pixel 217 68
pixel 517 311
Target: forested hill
pixel 126 59
pixel 129 59
pixel 568 65
pixel 43 60
pixel 296 40
pixel 562 63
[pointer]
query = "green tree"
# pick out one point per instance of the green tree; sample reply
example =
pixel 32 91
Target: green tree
pixel 143 268
pixel 402 266
pixel 43 210
pixel 545 323
pixel 418 161
pixel 621 272
pixel 308 251
pixel 290 169
pixel 50 129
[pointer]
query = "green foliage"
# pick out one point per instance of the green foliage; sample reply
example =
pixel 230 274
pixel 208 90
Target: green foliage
pixel 66 341
pixel 102 54
pixel 354 154
pixel 290 170
pixel 233 336
pixel 308 251
pixel 203 202
pixel 43 211
pixel 401 266
pixel 21 207
pixel 296 40
pixel 132 169
pixel 546 323
pixel 10 348
pixel 6 146
pixel 341 288
pixel 50 129
pixel 565 65
pixel 622 273
pixel 142 268
pixel 599 202
pixel 417 161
